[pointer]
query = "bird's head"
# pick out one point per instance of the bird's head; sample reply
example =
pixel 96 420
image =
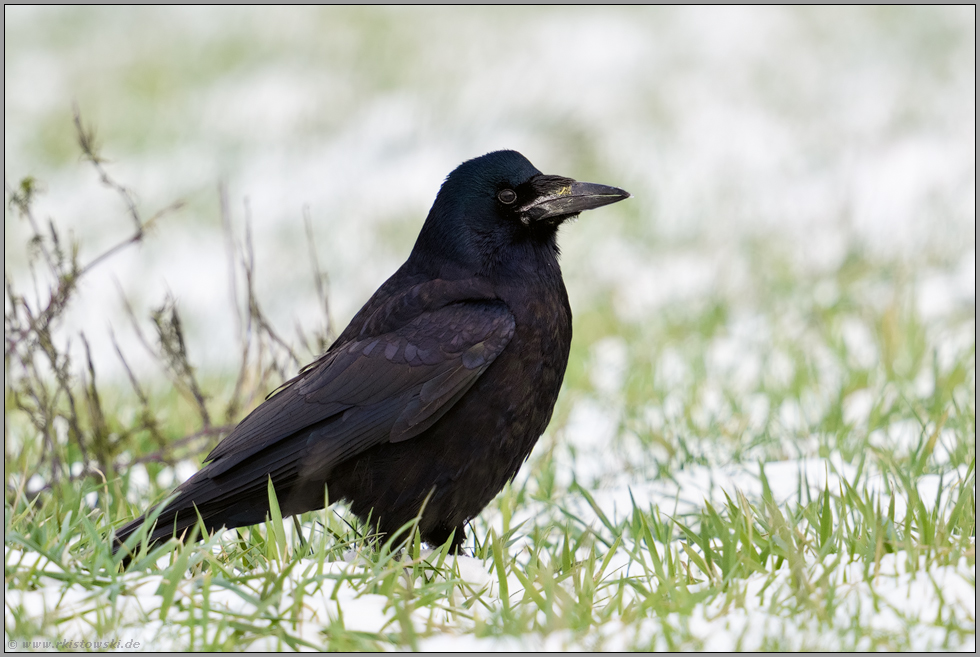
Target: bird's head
pixel 493 209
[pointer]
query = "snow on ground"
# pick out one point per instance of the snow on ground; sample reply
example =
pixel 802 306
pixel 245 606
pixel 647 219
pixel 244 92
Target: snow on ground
pixel 896 599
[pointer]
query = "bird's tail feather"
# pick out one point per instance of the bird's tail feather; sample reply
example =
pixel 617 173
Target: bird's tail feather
pixel 236 499
pixel 164 521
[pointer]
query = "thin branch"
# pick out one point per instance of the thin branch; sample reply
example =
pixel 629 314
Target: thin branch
pixel 206 432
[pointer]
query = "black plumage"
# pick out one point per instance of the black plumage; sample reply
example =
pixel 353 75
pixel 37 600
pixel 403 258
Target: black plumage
pixel 439 387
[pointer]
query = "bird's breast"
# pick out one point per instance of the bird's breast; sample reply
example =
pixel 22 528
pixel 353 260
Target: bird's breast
pixel 533 365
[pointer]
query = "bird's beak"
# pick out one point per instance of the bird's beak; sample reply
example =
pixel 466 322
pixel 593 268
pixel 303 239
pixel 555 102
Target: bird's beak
pixel 571 197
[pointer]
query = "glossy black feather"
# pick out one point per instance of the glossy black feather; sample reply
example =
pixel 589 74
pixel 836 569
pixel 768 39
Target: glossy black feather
pixel 439 387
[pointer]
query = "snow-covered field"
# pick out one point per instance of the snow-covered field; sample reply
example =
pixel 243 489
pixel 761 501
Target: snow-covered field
pixel 767 434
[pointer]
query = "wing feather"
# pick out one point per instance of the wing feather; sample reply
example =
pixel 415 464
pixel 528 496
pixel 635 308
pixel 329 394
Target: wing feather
pixel 387 387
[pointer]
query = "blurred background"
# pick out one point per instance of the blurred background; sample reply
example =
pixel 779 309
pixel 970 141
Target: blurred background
pixel 818 132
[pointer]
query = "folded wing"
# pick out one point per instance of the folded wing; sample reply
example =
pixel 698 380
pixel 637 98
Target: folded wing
pixel 389 387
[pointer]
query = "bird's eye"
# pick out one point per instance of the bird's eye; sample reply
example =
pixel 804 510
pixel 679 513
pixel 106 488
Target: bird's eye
pixel 507 196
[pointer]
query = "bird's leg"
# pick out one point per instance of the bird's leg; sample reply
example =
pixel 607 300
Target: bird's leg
pixel 458 537
pixel 441 533
pixel 299 532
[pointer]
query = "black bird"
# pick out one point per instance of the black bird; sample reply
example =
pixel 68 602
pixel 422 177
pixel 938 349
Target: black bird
pixel 439 387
